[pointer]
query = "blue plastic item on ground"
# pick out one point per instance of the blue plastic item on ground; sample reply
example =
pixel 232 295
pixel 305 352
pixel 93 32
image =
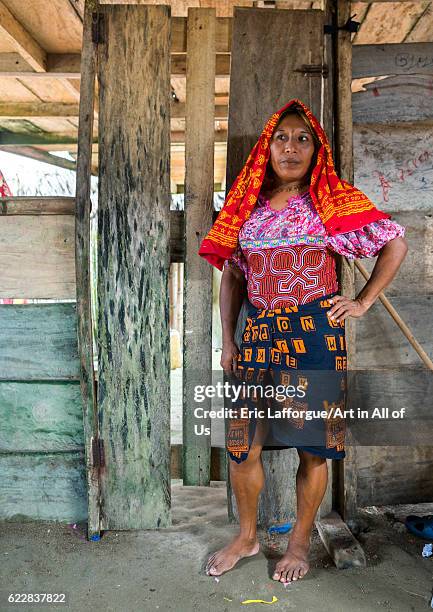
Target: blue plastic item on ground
pixel 95 538
pixel 284 528
pixel 421 526
pixel 427 551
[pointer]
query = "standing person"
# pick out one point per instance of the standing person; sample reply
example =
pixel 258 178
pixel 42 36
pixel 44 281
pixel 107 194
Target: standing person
pixel 284 220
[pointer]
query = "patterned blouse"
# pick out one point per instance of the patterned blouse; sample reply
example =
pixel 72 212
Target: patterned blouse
pixel 288 258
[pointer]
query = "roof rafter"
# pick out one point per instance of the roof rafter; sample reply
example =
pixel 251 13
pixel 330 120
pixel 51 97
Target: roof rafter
pixel 25 44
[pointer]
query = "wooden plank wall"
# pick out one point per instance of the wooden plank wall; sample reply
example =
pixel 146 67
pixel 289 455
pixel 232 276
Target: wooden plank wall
pixel 37 248
pixel 393 154
pixel 251 79
pixel 133 263
pixel 41 439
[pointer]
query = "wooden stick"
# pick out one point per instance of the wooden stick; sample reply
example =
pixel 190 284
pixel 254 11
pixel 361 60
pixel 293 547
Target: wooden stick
pixel 401 324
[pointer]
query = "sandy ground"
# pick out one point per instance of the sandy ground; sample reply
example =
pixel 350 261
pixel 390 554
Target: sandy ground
pixel 163 570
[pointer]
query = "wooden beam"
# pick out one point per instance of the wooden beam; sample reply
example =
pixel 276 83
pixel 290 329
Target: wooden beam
pixel 391 59
pixel 12 31
pixel 68 66
pixel 246 122
pixel 178 65
pixel 78 6
pixel 83 276
pixel 133 264
pixel 342 546
pixel 199 180
pixel 219 111
pixel 44 138
pixel 73 87
pixel 12 110
pixel 52 141
pixel 41 156
pixel 36 205
pixel 345 469
pixel 216 466
pixel 223 34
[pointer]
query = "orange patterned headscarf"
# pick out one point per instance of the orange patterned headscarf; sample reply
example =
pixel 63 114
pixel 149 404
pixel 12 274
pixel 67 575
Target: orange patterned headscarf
pixel 341 206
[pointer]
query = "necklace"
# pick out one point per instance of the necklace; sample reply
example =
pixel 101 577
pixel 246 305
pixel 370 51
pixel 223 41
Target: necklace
pixel 291 189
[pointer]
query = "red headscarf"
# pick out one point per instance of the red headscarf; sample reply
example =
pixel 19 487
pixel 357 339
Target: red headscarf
pixel 5 192
pixel 341 206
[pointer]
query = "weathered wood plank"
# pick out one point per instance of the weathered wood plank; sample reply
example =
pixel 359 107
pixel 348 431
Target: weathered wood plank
pixel 133 263
pixel 276 504
pixel 82 268
pixel 24 205
pixel 389 24
pixel 199 181
pixel 37 257
pixel 396 99
pixel 216 466
pixel 69 141
pixel 412 278
pixel 223 34
pixel 66 206
pixel 38 109
pixel 346 470
pixel 40 417
pixel 390 348
pixel 42 156
pixel 38 342
pixel 338 540
pixel 246 121
pixel 393 390
pixel 43 487
pixel 392 58
pixel 394 475
pixel 53 110
pixel 67 66
pixel 13 32
pixel 393 165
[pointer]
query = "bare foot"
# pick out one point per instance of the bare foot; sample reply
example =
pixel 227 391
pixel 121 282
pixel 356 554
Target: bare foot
pixel 294 563
pixel 226 558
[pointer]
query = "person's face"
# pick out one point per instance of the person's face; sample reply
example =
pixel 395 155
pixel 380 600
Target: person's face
pixel 292 149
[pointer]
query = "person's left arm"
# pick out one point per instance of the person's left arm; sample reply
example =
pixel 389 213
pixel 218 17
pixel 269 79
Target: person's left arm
pixel 384 238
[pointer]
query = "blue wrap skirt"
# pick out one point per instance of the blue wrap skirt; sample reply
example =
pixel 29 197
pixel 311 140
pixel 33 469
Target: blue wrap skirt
pixel 292 373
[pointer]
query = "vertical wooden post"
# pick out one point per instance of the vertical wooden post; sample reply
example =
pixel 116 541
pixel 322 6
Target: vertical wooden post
pixel 133 264
pixel 199 181
pixel 347 482
pixel 82 266
pixel 171 277
pixel 179 298
pixel 254 96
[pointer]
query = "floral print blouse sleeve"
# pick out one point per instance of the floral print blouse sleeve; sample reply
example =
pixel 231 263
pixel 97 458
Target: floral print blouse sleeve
pixel 367 241
pixel 238 260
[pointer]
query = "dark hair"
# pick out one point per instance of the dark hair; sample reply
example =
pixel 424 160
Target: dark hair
pixel 270 174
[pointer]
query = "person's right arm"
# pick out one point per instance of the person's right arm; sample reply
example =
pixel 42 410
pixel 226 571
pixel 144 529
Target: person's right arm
pixel 232 292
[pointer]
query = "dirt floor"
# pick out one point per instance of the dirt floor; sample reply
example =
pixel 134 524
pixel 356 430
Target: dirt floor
pixel 163 570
